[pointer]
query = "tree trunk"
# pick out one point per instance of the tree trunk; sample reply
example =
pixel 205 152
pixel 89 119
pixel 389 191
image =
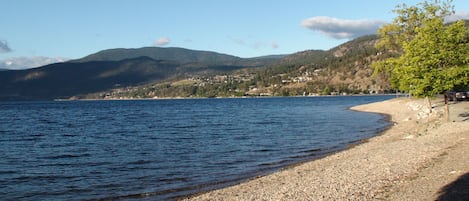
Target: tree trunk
pixel 429 104
pixel 447 108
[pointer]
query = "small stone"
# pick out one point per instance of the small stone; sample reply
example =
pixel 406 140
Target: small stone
pixel 409 137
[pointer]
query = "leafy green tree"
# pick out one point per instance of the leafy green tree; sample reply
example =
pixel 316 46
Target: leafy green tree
pixel 403 28
pixel 433 57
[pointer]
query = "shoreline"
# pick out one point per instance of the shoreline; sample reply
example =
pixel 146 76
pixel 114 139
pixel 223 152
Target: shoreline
pixel 221 97
pixel 385 166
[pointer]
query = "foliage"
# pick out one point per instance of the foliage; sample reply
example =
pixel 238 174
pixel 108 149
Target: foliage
pixel 404 26
pixel 433 55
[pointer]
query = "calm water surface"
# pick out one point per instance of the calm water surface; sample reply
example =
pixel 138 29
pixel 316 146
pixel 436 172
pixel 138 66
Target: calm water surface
pixel 162 149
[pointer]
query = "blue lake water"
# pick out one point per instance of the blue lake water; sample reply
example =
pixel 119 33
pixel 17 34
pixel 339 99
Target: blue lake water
pixel 162 149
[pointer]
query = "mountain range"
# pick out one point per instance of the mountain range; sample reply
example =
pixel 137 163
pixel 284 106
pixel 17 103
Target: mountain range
pixel 131 68
pixel 116 68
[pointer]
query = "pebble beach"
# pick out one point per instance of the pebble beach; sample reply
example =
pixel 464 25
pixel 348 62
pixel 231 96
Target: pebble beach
pixel 421 157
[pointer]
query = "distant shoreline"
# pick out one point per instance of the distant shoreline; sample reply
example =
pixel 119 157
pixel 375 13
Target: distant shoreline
pixel 235 97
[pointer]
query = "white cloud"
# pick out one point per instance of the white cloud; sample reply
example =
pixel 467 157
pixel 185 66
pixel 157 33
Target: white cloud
pixel 162 41
pixel 17 63
pixel 460 15
pixel 342 28
pixel 4 48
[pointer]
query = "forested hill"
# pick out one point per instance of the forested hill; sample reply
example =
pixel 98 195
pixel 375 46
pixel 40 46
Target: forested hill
pixel 63 80
pixel 177 72
pixel 116 68
pixel 179 55
pixel 343 69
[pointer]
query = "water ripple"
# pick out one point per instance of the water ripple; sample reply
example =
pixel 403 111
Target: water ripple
pixel 163 149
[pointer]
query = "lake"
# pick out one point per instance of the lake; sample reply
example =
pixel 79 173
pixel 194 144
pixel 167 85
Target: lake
pixel 162 149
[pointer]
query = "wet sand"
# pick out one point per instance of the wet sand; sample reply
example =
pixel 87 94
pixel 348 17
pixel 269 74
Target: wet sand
pixel 421 157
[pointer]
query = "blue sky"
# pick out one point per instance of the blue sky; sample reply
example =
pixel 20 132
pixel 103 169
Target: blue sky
pixel 34 32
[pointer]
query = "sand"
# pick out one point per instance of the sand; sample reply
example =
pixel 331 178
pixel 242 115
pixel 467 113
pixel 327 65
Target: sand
pixel 421 157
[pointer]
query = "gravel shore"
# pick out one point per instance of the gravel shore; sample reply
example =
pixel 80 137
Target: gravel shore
pixel 421 157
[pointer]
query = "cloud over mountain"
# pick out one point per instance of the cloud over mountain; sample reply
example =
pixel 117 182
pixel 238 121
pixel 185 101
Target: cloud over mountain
pixel 18 63
pixel 342 28
pixel 4 47
pixel 162 41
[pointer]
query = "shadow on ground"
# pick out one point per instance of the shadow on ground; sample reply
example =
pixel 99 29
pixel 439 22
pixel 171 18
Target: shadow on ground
pixel 457 190
pixel 466 114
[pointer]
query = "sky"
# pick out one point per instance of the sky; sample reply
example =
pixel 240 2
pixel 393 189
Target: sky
pixel 37 32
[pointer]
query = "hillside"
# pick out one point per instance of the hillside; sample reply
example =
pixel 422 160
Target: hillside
pixel 182 56
pixel 63 80
pixel 179 55
pixel 176 72
pixel 343 69
pixel 116 68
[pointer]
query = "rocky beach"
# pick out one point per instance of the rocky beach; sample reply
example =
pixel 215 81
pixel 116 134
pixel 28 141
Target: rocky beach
pixel 421 157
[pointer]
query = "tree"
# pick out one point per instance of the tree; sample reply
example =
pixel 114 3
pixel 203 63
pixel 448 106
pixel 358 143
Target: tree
pixel 432 57
pixel 403 28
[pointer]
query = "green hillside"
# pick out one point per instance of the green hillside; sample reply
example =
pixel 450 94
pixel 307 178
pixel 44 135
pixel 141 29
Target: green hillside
pixel 179 55
pixel 343 69
pixel 116 68
pixel 176 72
pixel 63 80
